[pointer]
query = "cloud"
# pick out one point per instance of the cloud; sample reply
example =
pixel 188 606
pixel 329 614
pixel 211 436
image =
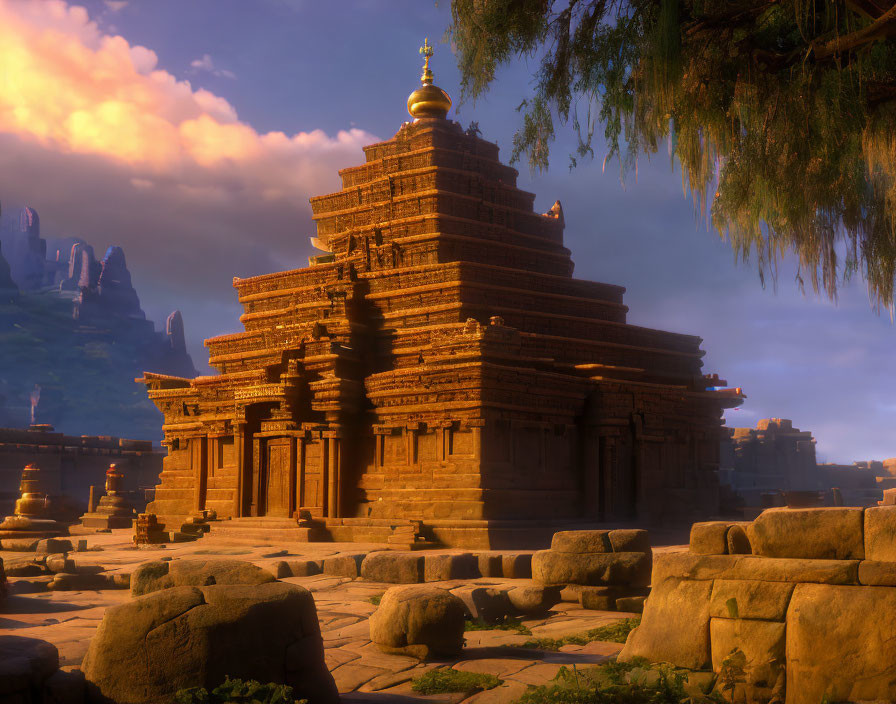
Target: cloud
pixel 108 146
pixel 115 5
pixel 207 64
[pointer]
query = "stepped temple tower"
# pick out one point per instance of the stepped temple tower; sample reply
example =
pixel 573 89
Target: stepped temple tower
pixel 438 363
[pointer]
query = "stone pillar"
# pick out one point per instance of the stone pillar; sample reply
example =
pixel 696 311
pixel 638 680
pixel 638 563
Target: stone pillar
pixel 332 476
pixel 239 448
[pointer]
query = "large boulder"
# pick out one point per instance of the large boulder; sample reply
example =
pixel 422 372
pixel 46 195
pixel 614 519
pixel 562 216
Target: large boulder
pixel 162 574
pixel 25 666
pixel 419 620
pixel 620 568
pixel 810 533
pixel 840 644
pixel 147 649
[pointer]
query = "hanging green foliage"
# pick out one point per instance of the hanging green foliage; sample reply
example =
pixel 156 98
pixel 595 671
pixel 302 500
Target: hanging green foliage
pixel 781 114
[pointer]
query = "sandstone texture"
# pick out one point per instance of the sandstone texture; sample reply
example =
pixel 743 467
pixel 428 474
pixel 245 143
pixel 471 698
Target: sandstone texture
pixel 419 620
pixel 161 574
pixel 184 636
pixel 603 565
pixel 812 533
pixel 803 601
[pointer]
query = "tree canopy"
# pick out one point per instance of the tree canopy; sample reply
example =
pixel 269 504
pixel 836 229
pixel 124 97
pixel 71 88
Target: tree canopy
pixel 781 113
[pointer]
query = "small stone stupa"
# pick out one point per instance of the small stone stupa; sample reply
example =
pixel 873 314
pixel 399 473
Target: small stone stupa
pixel 113 510
pixel 31 518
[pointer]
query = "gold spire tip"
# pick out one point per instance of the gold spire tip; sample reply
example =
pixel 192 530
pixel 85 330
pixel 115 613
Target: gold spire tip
pixel 428 100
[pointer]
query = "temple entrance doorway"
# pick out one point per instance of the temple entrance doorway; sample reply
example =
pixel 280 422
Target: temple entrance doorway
pixel 278 470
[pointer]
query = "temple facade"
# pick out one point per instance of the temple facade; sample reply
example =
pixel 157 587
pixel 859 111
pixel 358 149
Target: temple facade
pixel 438 362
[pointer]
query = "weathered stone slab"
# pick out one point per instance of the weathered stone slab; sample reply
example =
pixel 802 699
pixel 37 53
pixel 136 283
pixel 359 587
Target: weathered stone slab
pixel 631 604
pixel 534 600
pixel 880 533
pixel 840 644
pixel 343 565
pixel 630 540
pixel 484 603
pixel 599 598
pixel 549 567
pixel 684 565
pixel 576 541
pixel 881 574
pixel 811 533
pixel 393 567
pixel 517 565
pixel 709 538
pixel 490 564
pixel 674 627
pixel 762 643
pixel 784 570
pixel 441 568
pixel 750 599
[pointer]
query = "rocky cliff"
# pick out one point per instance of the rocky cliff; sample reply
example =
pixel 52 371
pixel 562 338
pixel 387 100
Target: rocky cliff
pixel 73 337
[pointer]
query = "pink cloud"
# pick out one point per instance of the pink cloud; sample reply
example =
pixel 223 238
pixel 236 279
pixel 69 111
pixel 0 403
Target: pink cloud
pixel 108 146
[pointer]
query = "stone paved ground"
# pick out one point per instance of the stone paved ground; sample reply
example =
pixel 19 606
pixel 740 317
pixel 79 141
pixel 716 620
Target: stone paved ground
pixel 363 674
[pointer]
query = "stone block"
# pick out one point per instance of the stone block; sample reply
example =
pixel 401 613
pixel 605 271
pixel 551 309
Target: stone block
pixel 53 545
pixel 810 533
pixel 599 598
pixel 674 627
pixel 517 565
pixel 484 603
pixel 393 567
pixel 630 540
pixel 880 533
pixel 594 569
pixel 577 541
pixel 631 604
pixel 687 565
pixel 750 599
pixel 441 568
pixel 785 570
pixel 534 600
pixel 490 564
pixel 762 645
pixel 709 538
pixel 684 565
pixel 343 565
pixel 881 574
pixel 738 541
pixel 840 644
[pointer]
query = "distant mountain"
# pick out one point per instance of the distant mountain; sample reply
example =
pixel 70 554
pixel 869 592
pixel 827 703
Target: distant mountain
pixel 73 337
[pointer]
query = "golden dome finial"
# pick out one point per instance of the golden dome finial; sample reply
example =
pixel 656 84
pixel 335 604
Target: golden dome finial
pixel 428 100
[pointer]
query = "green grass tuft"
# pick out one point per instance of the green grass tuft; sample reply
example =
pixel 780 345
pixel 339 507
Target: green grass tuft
pixel 613 633
pixel 237 692
pixel 508 624
pixel 451 680
pixel 635 682
pixel 376 599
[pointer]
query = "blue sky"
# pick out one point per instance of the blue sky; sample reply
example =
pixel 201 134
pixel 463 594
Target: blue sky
pixel 298 66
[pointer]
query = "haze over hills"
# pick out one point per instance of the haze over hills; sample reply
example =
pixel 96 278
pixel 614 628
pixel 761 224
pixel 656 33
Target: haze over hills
pixel 73 336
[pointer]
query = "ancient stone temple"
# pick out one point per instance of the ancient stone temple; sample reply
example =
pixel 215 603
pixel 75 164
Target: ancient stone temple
pixel 439 363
